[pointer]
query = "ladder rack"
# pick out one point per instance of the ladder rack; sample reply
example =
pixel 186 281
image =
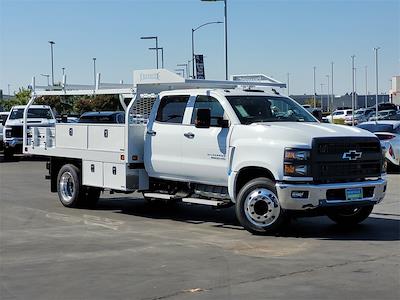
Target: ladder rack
pixel 153 81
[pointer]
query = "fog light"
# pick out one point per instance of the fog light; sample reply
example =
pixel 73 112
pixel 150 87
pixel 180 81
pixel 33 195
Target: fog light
pixel 300 194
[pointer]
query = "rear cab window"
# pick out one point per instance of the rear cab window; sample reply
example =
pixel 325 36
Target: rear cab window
pixel 172 109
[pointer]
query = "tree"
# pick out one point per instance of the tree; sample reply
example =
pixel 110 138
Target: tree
pixel 60 104
pixel 310 101
pixel 20 98
pixel 97 103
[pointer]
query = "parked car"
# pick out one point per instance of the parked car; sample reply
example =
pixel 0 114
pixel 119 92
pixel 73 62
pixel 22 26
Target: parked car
pixel 396 116
pixel 383 115
pixel 388 133
pixel 3 119
pixel 117 117
pixel 361 115
pixel 67 118
pixel 385 106
pixel 338 116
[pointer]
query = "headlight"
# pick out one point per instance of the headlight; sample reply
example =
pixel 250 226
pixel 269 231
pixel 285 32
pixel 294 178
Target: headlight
pixel 296 154
pixel 297 162
pixel 8 133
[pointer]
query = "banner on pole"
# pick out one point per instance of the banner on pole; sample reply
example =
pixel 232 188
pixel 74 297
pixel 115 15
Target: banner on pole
pixel 200 74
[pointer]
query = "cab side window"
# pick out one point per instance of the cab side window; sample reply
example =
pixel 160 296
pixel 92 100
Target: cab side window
pixel 216 110
pixel 172 109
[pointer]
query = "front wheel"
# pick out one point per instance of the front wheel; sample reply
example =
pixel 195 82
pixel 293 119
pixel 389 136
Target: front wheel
pixel 350 215
pixel 257 207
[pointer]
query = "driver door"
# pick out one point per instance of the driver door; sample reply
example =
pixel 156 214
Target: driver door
pixel 204 150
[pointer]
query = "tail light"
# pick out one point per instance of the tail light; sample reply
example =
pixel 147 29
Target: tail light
pixel 383 137
pixel 391 151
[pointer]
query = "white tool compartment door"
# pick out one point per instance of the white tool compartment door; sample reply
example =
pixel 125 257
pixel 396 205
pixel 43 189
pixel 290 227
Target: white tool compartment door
pixel 115 176
pixel 106 137
pixel 92 173
pixel 164 138
pixel 204 150
pixel 71 136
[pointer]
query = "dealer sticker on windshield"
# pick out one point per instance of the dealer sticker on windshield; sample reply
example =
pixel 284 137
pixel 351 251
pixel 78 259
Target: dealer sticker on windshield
pixel 354 194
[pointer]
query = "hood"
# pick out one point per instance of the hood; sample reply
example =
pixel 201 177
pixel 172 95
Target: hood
pixel 303 133
pixel 19 122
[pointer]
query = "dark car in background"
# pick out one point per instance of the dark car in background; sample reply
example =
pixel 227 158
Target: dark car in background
pixel 107 117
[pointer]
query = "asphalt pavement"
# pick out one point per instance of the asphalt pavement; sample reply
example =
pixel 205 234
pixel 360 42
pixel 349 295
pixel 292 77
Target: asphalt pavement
pixel 129 249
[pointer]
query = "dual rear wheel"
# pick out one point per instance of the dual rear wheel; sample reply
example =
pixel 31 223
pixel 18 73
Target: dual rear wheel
pixel 70 190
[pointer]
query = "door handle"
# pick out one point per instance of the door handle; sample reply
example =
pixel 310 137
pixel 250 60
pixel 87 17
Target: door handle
pixel 151 132
pixel 189 135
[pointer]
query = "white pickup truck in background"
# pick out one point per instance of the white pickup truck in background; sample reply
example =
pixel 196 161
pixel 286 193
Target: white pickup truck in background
pixel 217 143
pixel 39 115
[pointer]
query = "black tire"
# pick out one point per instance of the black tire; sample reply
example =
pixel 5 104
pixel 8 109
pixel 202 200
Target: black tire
pixel 69 186
pixel 350 215
pixel 8 154
pixel 258 209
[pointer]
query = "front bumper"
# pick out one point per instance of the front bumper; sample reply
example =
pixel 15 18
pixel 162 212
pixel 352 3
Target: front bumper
pixel 317 194
pixel 12 142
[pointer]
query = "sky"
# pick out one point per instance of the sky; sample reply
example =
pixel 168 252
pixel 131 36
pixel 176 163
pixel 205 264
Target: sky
pixel 264 36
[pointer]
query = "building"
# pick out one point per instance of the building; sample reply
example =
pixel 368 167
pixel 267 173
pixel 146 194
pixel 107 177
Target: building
pixel 394 93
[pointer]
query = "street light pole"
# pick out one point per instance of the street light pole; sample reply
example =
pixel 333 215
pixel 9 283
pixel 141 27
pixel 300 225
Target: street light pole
pixel 366 86
pixel 193 30
pixel 322 91
pixel 315 100
pixel 94 71
pixel 186 67
pixel 331 106
pixel 327 93
pixel 162 55
pixel 152 38
pixel 226 39
pixel 63 71
pixel 288 90
pixel 52 62
pixel 376 78
pixel 352 94
pixel 47 76
pixel 226 33
pixel 8 86
pixel 189 62
pixel 182 71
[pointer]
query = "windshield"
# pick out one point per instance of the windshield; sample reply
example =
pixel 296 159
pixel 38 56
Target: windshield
pixel 252 109
pixel 359 112
pixel 33 113
pixel 377 127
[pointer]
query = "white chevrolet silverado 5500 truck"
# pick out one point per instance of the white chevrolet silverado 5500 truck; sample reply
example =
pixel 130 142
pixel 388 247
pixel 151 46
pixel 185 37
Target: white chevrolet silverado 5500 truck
pixel 217 143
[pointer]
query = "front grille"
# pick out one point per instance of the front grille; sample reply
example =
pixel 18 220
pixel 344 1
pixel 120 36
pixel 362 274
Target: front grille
pixel 16 131
pixel 358 169
pixel 331 164
pixel 341 147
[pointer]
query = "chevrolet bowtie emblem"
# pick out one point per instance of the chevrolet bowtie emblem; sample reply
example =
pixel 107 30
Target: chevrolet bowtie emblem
pixel 352 155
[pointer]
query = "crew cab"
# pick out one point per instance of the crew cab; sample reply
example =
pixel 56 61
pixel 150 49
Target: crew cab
pixel 222 144
pixel 40 115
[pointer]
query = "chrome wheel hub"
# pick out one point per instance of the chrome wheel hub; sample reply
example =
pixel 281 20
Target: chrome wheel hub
pixel 262 207
pixel 67 187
